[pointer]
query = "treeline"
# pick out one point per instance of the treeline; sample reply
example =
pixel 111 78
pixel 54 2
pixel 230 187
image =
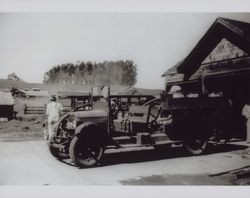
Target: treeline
pixel 92 73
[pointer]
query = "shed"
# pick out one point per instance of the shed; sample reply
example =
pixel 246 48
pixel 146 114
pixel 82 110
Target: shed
pixel 35 93
pixel 6 105
pixel 74 99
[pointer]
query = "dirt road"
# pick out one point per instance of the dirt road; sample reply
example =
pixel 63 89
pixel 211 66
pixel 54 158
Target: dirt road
pixel 29 163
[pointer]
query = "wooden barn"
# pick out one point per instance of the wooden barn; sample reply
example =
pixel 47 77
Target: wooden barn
pixel 219 64
pixel 139 91
pixel 223 51
pixel 6 105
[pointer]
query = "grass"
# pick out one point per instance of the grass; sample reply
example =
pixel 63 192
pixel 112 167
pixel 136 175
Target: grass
pixel 25 127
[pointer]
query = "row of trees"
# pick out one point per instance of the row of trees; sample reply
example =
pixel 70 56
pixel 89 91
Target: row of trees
pixel 92 73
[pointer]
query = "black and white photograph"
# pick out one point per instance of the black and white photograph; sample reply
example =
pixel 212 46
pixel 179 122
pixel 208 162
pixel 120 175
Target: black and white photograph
pixel 125 98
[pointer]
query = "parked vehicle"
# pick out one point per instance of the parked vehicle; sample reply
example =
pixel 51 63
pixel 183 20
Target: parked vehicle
pixel 200 114
pixel 84 133
pixel 202 102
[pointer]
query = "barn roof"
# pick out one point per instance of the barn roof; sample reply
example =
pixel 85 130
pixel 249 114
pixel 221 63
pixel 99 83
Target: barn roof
pixel 6 98
pixel 237 32
pixel 36 93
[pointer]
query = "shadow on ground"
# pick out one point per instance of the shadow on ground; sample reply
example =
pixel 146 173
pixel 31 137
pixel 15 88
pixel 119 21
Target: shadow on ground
pixel 180 180
pixel 168 153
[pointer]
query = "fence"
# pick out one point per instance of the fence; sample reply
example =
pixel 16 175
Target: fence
pixel 34 109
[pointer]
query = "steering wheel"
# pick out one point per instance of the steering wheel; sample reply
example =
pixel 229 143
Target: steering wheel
pixel 85 107
pixel 123 107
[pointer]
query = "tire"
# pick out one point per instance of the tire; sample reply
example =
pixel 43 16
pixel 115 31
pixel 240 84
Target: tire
pixel 196 146
pixel 57 154
pixel 83 155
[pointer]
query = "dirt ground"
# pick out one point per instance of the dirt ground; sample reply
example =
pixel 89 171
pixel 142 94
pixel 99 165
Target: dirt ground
pixel 30 163
pixel 28 127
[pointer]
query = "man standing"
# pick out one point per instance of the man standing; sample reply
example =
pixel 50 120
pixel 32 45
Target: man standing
pixel 246 113
pixel 53 112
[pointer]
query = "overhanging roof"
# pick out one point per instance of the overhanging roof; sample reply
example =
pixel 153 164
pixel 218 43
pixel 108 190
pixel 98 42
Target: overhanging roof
pixel 238 33
pixel 139 91
pixel 172 70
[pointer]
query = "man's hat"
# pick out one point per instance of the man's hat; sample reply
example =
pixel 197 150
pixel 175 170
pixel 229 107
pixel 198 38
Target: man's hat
pixel 174 89
pixel 53 98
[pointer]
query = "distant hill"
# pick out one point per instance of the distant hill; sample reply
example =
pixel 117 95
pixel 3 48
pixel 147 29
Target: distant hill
pixel 55 88
pixel 51 88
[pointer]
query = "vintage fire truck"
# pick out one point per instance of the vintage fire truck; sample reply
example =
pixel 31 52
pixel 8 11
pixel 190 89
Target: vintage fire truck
pixel 191 111
pixel 190 120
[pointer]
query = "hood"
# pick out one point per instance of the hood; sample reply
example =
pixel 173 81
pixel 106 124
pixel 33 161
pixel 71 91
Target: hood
pixel 90 114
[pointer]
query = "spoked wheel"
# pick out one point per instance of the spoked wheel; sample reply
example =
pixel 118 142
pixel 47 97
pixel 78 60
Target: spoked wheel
pixel 83 155
pixel 196 146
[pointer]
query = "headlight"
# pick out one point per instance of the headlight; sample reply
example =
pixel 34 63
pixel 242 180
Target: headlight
pixel 74 123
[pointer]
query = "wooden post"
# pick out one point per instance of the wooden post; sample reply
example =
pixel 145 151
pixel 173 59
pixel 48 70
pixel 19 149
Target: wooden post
pixel 109 111
pixel 129 101
pixel 45 108
pixel 25 108
pixel 203 88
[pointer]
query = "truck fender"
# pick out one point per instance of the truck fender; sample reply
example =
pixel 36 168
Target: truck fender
pixel 92 134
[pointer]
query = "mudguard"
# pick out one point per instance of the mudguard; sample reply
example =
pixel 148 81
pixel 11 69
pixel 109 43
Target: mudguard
pixel 93 134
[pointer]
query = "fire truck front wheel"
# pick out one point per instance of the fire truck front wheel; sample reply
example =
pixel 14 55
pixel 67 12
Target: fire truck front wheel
pixel 84 155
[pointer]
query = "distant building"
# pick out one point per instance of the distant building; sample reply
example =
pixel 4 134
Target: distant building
pixel 6 105
pixel 36 89
pixel 72 100
pixel 35 92
pixel 140 91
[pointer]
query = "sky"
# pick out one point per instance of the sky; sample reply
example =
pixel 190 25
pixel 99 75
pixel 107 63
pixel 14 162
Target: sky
pixel 32 43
